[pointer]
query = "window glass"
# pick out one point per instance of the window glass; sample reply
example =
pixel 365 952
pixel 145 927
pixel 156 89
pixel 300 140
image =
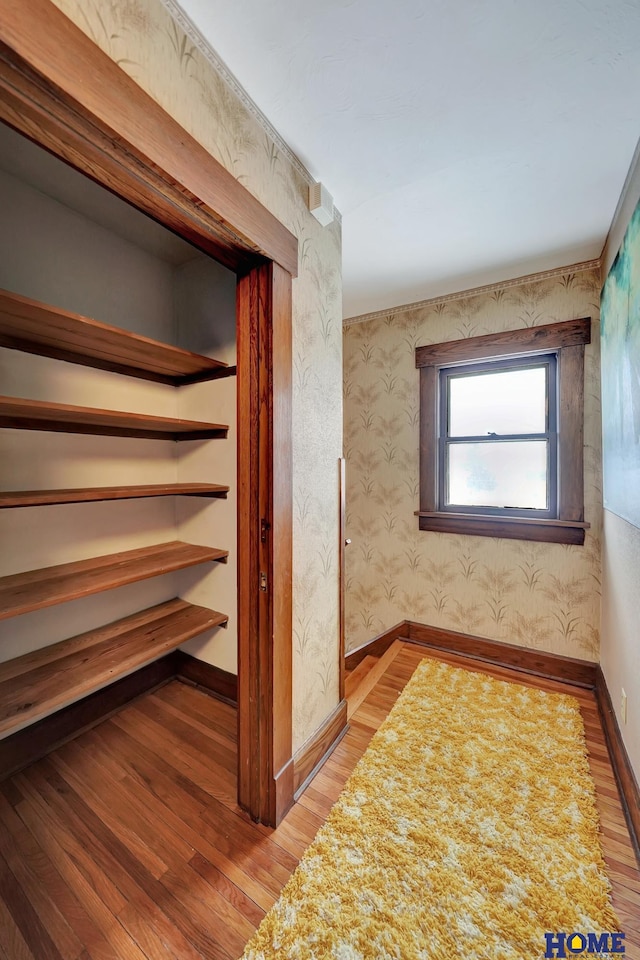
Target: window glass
pixel 504 402
pixel 511 473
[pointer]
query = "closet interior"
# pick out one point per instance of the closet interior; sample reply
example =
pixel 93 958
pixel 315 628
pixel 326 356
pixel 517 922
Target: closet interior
pixel 118 522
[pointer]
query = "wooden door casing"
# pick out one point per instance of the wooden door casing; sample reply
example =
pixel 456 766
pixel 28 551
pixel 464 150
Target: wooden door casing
pixel 265 767
pixel 61 91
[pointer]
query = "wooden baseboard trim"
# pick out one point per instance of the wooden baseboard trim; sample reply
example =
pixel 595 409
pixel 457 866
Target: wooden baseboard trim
pixel 222 684
pixel 551 666
pixel 625 777
pixel 283 794
pixel 28 745
pixel 314 751
pixel 377 646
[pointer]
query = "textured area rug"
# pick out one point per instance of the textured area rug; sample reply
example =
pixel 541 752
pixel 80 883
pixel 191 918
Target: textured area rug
pixel 467 830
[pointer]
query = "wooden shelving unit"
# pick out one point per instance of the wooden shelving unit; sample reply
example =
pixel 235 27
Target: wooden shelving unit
pixel 38 498
pixel 48 679
pixel 23 592
pixel 38 683
pixel 34 327
pixel 19 414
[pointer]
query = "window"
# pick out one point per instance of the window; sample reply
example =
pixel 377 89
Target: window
pixel 501 434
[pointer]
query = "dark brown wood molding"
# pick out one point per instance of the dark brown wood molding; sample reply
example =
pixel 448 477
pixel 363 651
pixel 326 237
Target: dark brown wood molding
pixel 571 438
pixel 265 543
pixel 220 683
pixel 550 665
pixel 24 747
pixel 378 645
pixel 625 777
pixel 342 579
pixel 283 792
pixel 568 339
pixel 549 336
pixel 53 78
pixel 319 747
pixel 582 673
pixel 508 528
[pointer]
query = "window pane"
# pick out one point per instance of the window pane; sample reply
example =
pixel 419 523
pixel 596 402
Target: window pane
pixel 508 474
pixel 508 401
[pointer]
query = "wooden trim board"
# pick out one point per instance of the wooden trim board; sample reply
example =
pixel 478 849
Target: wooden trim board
pixel 220 683
pixel 369 682
pixel 319 747
pixel 625 777
pixel 506 343
pixel 65 93
pixel 581 673
pixel 567 339
pixel 377 646
pixel 342 576
pixel 508 528
pixel 357 675
pixel 265 510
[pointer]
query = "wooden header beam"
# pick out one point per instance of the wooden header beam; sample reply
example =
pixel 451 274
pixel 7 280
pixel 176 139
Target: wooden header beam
pixel 54 77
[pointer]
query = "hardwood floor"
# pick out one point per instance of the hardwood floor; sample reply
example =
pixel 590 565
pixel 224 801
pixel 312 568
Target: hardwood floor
pixel 127 843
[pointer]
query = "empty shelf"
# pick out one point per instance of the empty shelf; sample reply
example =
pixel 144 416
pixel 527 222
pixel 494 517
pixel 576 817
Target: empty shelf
pixel 38 683
pixel 21 414
pixel 34 327
pixel 34 589
pixel 37 498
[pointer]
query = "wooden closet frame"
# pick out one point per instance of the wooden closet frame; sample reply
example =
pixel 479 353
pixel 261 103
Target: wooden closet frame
pixel 62 92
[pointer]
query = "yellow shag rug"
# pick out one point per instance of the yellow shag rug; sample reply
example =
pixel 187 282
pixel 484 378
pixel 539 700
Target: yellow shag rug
pixel 467 830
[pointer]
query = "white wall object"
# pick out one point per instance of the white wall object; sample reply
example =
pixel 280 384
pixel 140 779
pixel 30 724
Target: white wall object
pixel 321 204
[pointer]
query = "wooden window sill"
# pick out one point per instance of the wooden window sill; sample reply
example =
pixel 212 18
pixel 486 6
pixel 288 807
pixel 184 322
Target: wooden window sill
pixel 510 528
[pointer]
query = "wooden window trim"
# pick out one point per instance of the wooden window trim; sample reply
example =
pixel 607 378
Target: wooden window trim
pixel 568 340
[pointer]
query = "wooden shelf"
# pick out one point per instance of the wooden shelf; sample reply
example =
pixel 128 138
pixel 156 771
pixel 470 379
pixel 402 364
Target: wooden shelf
pixel 21 414
pixel 46 680
pixel 24 592
pixel 39 498
pixel 34 327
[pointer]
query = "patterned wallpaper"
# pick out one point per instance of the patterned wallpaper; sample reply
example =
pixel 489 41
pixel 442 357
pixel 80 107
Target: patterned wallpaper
pixel 145 41
pixel 532 594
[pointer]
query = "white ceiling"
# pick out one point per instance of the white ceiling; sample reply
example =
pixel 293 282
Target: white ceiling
pixel 464 142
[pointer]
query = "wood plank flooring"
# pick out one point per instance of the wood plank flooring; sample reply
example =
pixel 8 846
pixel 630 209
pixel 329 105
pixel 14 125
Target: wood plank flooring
pixel 127 843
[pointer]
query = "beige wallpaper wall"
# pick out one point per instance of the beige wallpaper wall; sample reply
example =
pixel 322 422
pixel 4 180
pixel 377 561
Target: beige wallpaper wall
pixel 144 40
pixel 536 595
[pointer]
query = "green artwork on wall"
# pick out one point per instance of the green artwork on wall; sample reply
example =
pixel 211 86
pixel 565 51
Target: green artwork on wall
pixel 620 319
